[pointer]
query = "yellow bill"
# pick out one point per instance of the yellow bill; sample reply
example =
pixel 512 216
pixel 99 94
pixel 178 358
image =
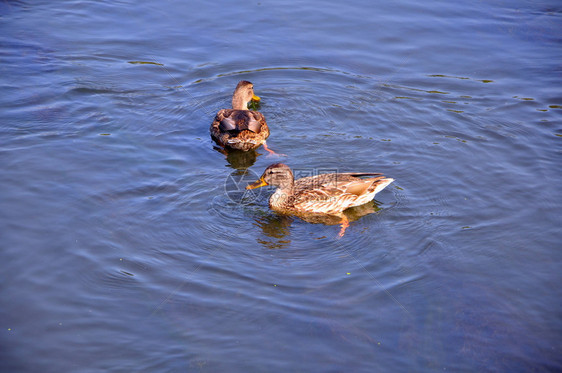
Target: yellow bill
pixel 258 184
pixel 255 98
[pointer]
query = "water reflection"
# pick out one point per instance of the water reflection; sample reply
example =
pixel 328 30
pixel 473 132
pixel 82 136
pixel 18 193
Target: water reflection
pixel 352 214
pixel 239 160
pixel 277 227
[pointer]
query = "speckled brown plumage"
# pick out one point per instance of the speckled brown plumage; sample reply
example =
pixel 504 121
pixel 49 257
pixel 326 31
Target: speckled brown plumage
pixel 324 194
pixel 240 128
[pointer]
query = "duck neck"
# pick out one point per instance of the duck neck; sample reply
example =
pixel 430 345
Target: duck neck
pixel 282 194
pixel 238 103
pixel 280 198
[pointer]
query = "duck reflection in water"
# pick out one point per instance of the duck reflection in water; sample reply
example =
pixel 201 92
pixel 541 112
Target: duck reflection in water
pixel 321 198
pixel 240 160
pixel 277 227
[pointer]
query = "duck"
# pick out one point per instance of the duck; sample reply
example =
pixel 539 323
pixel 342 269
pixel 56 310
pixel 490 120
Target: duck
pixel 324 194
pixel 240 128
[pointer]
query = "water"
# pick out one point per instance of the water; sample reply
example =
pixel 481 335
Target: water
pixel 122 252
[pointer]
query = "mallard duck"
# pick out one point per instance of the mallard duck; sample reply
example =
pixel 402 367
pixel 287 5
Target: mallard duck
pixel 328 194
pixel 240 128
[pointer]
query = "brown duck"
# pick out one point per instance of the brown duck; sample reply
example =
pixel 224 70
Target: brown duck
pixel 240 128
pixel 328 194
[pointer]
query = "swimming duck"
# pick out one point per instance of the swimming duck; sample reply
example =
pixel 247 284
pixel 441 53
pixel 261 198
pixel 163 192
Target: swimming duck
pixel 240 128
pixel 328 194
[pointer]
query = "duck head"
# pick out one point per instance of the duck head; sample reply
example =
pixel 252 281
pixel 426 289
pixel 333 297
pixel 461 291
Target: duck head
pixel 243 94
pixel 277 174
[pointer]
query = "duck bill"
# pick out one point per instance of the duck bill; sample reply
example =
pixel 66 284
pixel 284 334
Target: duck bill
pixel 258 184
pixel 255 98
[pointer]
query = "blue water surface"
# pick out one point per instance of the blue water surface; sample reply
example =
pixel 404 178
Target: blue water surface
pixel 123 248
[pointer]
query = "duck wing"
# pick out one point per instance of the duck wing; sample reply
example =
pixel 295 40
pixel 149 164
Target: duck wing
pixel 240 120
pixel 333 193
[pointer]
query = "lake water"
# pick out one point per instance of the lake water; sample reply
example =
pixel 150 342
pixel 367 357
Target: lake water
pixel 123 249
